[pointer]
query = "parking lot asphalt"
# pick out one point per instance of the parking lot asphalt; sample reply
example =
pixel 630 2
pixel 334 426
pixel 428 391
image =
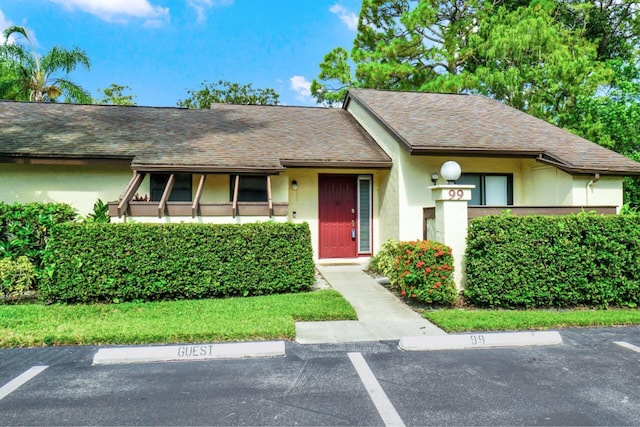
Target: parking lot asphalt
pixel 590 379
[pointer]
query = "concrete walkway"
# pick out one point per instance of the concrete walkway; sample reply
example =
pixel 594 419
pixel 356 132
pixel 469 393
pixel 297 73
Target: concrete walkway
pixel 381 316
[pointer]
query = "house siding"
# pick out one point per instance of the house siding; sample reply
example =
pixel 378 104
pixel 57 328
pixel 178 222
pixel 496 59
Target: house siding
pixel 79 186
pixel 607 191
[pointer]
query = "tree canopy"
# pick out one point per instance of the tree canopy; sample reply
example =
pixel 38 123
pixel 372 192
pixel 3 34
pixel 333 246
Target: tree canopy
pixel 224 92
pixel 114 95
pixel 27 76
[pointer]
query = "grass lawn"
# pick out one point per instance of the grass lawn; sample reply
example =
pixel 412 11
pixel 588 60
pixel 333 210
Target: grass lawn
pixel 233 319
pixel 464 320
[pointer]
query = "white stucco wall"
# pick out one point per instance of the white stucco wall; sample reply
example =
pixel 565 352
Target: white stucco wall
pixel 80 186
pixel 606 191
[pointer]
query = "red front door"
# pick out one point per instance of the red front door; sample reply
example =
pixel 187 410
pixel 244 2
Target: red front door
pixel 337 216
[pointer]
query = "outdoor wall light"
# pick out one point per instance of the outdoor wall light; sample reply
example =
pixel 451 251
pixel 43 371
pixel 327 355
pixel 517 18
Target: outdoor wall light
pixel 434 178
pixel 450 171
pixel 294 185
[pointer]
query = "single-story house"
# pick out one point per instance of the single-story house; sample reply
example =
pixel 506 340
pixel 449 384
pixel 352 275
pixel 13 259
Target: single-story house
pixel 358 175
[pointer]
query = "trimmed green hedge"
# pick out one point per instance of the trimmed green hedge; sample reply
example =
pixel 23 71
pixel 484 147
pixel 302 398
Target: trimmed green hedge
pixel 24 229
pixel 93 262
pixel 553 261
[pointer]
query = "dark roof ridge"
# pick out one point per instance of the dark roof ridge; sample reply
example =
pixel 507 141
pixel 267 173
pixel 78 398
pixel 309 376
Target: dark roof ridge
pixel 166 107
pixel 412 91
pixel 72 104
pixel 308 107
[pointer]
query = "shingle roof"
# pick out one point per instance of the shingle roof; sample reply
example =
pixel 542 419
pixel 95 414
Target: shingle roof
pixel 227 137
pixel 431 123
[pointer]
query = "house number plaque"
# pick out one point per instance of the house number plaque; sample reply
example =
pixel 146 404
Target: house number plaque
pixel 456 194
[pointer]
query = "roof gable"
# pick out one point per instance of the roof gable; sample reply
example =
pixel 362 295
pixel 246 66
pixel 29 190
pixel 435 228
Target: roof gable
pixel 452 124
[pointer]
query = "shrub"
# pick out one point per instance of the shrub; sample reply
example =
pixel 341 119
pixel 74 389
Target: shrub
pixel 553 261
pixel 17 277
pixel 425 272
pixel 95 262
pixel 384 262
pixel 24 229
pixel 421 270
pixel 100 213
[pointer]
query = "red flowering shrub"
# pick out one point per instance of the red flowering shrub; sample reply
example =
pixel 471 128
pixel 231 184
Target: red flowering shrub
pixel 425 272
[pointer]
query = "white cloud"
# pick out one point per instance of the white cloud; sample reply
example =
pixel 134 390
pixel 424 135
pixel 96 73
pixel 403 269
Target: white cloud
pixel 201 6
pixel 301 86
pixel 4 24
pixel 345 15
pixel 119 10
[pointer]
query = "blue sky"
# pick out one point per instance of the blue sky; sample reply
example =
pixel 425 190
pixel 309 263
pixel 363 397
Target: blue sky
pixel 161 48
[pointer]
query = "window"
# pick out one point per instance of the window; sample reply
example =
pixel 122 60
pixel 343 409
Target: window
pixel 491 189
pixel 251 188
pixel 181 191
pixel 364 214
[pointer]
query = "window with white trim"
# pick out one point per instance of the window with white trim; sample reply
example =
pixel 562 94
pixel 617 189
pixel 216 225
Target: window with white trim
pixel 491 189
pixel 365 210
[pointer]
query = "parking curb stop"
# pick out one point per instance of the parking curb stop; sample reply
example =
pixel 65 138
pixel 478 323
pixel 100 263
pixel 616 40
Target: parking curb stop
pixel 188 352
pixel 480 340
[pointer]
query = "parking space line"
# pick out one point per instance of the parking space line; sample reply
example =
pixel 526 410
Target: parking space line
pixel 382 403
pixel 627 346
pixel 13 385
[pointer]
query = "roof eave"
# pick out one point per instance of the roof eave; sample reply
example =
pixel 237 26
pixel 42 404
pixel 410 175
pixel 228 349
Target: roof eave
pixel 545 158
pixel 18 158
pixel 290 163
pixel 205 169
pixel 475 152
pixel 579 170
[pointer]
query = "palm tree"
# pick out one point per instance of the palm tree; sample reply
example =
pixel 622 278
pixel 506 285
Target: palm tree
pixel 25 75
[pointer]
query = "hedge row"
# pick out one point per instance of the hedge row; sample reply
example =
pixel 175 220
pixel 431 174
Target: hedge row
pixel 24 229
pixel 93 262
pixel 553 261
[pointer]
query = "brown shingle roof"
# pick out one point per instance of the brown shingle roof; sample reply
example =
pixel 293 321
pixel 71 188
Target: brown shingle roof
pixel 475 125
pixel 225 138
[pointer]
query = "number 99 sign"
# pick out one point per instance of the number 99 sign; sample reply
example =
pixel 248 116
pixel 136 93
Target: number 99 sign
pixel 456 194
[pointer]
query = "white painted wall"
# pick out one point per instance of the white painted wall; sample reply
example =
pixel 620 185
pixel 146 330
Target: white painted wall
pixel 606 191
pixel 80 186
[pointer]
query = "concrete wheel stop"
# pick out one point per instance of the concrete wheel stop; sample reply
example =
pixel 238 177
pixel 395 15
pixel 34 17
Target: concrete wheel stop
pixel 480 340
pixel 188 352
